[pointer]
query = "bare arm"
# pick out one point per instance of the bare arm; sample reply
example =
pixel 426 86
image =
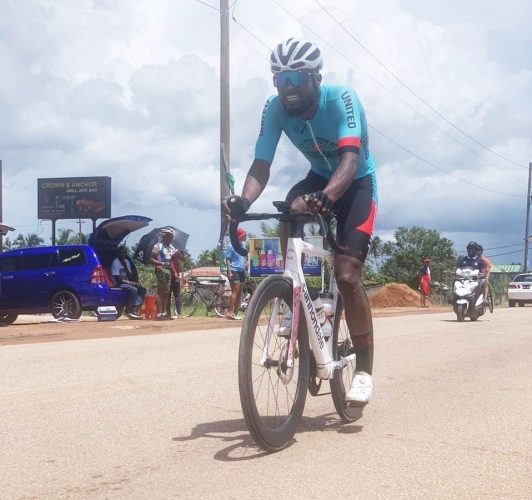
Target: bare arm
pixel 342 177
pixel 256 180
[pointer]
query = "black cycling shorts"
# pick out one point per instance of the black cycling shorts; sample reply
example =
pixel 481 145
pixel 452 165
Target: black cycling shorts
pixel 355 210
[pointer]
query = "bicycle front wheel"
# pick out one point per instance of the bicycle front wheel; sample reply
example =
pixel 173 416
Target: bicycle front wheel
pixel 189 304
pixel 342 346
pixel 272 394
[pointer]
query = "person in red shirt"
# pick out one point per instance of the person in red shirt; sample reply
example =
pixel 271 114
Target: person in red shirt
pixel 424 282
pixel 487 268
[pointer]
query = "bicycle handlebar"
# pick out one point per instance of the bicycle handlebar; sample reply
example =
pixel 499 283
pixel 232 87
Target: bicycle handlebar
pixel 284 216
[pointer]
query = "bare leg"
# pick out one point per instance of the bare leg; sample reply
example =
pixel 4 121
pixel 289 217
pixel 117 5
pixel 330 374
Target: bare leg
pixel 234 301
pixel 164 292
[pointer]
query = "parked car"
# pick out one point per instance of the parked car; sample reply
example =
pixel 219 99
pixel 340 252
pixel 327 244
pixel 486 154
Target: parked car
pixel 520 290
pixel 65 279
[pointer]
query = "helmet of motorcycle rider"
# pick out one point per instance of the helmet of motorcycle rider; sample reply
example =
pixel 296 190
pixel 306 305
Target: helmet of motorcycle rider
pixel 471 248
pixel 480 249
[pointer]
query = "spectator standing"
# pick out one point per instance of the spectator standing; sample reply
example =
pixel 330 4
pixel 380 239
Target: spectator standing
pixel 175 284
pixel 126 278
pixel 161 258
pixel 424 281
pixel 236 273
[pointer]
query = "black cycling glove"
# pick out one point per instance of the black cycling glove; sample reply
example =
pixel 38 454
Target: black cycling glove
pixel 238 205
pixel 318 202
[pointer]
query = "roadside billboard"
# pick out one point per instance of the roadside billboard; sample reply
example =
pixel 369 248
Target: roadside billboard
pixel 74 198
pixel 265 257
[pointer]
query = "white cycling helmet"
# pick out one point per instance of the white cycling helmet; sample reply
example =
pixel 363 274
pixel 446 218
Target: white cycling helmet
pixel 296 54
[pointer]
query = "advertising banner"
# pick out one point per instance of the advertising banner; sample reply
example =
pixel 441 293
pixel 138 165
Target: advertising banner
pixel 265 257
pixel 74 198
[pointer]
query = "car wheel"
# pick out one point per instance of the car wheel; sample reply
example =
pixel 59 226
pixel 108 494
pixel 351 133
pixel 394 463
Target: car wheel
pixel 65 304
pixel 7 319
pixel 511 303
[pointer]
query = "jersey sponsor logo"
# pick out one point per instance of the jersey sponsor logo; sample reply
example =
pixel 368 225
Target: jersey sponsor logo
pixel 349 110
pixel 262 118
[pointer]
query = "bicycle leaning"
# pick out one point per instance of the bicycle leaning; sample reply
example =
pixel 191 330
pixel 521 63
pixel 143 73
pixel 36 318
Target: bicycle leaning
pixel 214 297
pixel 275 372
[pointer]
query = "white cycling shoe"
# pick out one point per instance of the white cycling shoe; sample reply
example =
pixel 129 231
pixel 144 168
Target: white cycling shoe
pixel 361 389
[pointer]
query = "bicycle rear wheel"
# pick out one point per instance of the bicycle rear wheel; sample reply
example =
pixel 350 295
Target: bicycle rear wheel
pixel 189 304
pixel 342 346
pixel 221 305
pixel 272 394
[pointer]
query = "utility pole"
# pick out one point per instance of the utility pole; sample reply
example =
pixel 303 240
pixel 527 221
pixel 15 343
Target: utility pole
pixel 225 149
pixel 527 227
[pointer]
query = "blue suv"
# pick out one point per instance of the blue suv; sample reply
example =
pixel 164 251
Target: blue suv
pixel 65 279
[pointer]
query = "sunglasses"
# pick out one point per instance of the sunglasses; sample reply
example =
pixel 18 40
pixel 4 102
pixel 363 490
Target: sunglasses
pixel 296 78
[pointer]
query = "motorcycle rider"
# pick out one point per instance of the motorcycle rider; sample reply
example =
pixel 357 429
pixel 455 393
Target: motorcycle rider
pixel 471 260
pixel 487 268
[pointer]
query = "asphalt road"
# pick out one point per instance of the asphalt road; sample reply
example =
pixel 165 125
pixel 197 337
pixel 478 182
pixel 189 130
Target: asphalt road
pixel 158 416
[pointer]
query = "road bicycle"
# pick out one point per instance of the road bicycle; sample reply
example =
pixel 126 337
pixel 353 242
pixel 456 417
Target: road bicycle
pixel 274 373
pixel 214 297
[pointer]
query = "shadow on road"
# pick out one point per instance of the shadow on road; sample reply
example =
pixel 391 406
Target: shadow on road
pixel 243 446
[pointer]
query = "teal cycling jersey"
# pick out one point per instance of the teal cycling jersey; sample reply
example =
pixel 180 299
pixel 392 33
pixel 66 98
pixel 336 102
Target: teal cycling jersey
pixel 339 125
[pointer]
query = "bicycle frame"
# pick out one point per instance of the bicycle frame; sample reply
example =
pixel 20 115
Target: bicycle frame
pixel 321 347
pixel 209 294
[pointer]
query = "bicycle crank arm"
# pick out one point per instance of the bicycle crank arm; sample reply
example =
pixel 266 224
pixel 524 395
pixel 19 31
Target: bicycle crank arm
pixel 345 361
pixel 327 371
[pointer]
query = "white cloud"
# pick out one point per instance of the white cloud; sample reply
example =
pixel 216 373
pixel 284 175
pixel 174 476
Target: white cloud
pixel 131 89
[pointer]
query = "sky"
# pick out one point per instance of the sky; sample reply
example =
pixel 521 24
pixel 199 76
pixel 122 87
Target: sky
pixel 131 89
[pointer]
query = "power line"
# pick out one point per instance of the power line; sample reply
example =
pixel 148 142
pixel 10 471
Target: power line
pixel 208 5
pixel 244 28
pixel 421 99
pixel 440 168
pixel 381 133
pixel 383 87
pixel 504 246
pixel 507 253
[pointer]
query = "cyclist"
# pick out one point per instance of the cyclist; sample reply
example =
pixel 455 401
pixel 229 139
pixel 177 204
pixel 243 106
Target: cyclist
pixel 328 125
pixel 487 269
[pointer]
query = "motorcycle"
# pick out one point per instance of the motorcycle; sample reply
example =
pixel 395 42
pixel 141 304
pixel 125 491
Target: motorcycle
pixel 468 297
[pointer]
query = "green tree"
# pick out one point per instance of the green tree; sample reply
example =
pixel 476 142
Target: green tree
pixel 208 258
pixel 407 253
pixel 8 244
pixel 30 240
pixel 270 231
pixel 64 237
pixel 376 251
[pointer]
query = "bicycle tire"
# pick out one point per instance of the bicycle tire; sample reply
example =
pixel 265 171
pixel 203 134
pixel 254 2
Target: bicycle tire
pixel 221 305
pixel 189 304
pixel 342 345
pixel 272 398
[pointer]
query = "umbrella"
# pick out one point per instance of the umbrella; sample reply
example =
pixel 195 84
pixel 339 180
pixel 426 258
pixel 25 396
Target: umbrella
pixel 149 240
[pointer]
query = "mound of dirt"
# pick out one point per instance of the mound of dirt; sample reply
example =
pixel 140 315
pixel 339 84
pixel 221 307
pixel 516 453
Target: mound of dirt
pixel 395 295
